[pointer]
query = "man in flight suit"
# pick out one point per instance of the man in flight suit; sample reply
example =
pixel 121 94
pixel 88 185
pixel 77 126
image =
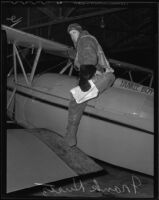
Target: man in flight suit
pixel 92 64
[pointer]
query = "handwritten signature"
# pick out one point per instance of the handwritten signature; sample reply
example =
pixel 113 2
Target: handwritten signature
pixel 14 20
pixel 95 187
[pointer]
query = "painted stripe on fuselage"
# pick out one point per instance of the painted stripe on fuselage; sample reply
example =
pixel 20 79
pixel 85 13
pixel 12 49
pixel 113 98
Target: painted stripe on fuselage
pixel 85 113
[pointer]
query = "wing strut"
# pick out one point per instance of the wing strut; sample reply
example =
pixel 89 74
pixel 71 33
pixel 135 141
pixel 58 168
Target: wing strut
pixel 27 79
pixel 30 79
pixel 66 67
pixel 15 76
pixel 11 98
pixel 35 64
pixel 21 64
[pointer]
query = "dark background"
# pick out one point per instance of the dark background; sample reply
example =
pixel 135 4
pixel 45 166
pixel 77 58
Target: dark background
pixel 126 31
pixel 129 35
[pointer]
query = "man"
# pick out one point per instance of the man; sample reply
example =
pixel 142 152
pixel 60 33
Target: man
pixel 93 66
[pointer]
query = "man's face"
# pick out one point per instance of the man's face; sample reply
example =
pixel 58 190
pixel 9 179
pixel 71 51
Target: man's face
pixel 74 35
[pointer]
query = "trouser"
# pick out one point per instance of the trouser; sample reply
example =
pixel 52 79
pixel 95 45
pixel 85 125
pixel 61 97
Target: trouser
pixel 75 110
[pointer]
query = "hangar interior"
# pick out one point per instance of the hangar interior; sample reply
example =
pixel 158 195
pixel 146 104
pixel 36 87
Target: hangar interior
pixel 127 32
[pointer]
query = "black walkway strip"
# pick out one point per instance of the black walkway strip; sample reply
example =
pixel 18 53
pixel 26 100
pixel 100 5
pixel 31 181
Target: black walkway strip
pixel 72 156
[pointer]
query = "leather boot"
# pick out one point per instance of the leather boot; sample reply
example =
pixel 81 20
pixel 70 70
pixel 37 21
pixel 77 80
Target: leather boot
pixel 75 112
pixel 70 137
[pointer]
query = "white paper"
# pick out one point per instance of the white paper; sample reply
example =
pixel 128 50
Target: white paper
pixel 81 96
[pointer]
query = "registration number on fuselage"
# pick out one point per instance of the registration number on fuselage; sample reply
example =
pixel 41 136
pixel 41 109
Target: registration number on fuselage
pixel 136 87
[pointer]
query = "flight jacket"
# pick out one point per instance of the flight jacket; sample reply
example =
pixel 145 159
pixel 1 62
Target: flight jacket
pixel 89 52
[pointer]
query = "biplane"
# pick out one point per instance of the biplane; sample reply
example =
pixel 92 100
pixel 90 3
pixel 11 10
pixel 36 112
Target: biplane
pixel 117 127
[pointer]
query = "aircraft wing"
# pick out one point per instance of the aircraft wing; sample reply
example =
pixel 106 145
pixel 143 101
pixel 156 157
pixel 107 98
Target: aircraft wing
pixel 40 156
pixel 30 162
pixel 31 41
pixel 129 66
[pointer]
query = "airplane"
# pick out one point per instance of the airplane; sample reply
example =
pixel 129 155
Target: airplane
pixel 117 127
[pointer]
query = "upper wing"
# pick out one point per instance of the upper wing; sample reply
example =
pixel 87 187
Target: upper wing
pixel 128 66
pixel 31 41
pixel 135 73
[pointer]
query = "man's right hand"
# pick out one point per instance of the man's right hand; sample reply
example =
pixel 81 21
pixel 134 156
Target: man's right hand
pixel 76 68
pixel 72 53
pixel 85 74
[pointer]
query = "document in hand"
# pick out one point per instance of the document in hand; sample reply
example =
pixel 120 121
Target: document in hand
pixel 81 96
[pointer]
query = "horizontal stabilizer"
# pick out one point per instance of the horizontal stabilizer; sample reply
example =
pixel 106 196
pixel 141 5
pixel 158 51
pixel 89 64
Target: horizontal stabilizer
pixel 77 160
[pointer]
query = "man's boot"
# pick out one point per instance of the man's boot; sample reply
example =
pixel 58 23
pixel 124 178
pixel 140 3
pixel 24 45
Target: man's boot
pixel 70 137
pixel 75 112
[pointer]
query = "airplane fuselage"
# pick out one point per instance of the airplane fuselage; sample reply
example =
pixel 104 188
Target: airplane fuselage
pixel 116 127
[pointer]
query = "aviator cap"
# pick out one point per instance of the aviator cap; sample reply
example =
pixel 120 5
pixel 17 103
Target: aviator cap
pixel 74 26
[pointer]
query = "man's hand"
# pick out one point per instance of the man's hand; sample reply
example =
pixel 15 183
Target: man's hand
pixel 85 74
pixel 72 53
pixel 76 68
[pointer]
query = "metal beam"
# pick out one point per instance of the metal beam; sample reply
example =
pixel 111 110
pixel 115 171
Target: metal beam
pixel 68 12
pixel 118 18
pixel 15 63
pixel 75 18
pixel 146 22
pixel 11 97
pixel 21 64
pixel 60 12
pixel 128 66
pixel 151 81
pixel 35 64
pixel 66 67
pixel 130 76
pixel 71 69
pixel 10 72
pixel 47 12
pixel 28 16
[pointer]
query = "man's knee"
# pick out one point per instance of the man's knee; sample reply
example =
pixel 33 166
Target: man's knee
pixel 111 78
pixel 105 81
